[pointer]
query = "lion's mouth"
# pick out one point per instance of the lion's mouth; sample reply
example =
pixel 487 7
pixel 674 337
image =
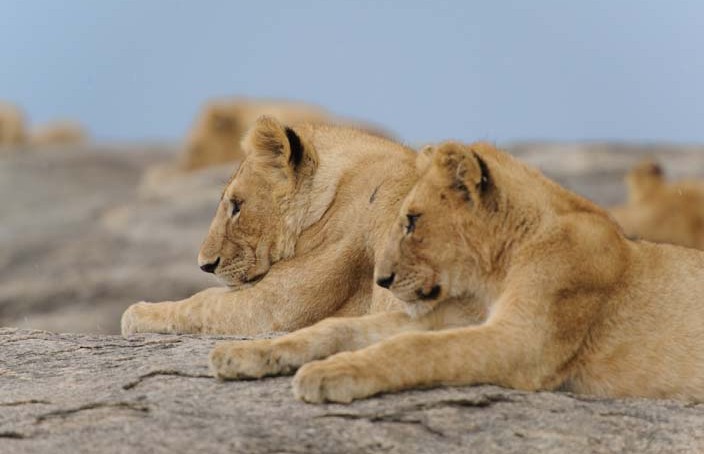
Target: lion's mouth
pixel 253 279
pixel 431 294
pixel 243 282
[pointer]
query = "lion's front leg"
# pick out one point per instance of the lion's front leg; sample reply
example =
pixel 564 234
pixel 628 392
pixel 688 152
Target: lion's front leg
pixel 259 358
pixel 169 316
pixel 340 378
pixel 483 354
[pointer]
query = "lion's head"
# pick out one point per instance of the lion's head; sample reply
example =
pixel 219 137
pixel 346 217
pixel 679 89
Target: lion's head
pixel 643 179
pixel 264 207
pixel 439 248
pixel 661 211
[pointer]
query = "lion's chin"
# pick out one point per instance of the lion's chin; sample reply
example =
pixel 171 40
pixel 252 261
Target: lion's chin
pixel 418 308
pixel 240 284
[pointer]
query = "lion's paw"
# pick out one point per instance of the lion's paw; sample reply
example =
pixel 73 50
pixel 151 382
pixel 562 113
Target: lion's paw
pixel 130 322
pixel 245 359
pixel 336 379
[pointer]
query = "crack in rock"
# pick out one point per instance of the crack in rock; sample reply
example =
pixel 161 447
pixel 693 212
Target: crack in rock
pixel 389 418
pixel 91 406
pixel 155 373
pixel 24 402
pixel 13 434
pixel 482 402
pixel 400 416
pixel 102 346
pixel 623 414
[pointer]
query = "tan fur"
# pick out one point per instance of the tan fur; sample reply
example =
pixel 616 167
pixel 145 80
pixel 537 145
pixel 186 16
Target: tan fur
pixel 303 246
pixel 569 302
pixel 60 132
pixel 12 125
pixel 660 211
pixel 216 136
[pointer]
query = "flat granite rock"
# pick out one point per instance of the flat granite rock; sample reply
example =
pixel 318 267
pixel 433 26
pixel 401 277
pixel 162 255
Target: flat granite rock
pixel 78 393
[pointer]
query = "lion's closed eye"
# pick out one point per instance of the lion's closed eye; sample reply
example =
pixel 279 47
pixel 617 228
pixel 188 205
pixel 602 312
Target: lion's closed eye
pixel 236 206
pixel 411 220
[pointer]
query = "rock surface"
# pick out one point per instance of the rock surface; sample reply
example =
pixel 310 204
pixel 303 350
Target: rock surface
pixel 79 393
pixel 82 237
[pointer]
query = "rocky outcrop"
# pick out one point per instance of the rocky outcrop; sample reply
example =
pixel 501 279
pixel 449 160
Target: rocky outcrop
pixel 78 393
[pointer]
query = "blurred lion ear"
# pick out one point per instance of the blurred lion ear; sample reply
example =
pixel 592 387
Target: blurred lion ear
pixel 424 158
pixel 282 146
pixel 649 167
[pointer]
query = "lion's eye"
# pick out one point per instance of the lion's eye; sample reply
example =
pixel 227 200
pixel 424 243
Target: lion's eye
pixel 411 223
pixel 236 206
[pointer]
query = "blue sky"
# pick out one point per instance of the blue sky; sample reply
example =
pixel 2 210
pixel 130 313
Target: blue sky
pixel 427 70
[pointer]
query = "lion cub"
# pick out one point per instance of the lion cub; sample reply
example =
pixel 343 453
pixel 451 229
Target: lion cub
pixel 295 235
pixel 570 303
pixel 661 212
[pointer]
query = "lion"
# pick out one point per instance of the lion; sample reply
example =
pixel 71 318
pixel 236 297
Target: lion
pixel 216 135
pixel 295 235
pixel 569 302
pixel 59 132
pixel 12 125
pixel 662 212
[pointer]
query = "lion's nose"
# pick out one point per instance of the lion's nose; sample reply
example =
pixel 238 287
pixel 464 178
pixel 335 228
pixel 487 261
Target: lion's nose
pixel 386 281
pixel 210 267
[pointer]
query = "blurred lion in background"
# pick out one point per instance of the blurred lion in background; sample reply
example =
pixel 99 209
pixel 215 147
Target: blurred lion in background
pixel 216 135
pixel 12 125
pixel 215 138
pixel 59 132
pixel 660 211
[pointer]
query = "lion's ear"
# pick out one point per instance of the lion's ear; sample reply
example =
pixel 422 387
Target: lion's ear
pixel 644 179
pixel 424 158
pixel 649 168
pixel 466 170
pixel 279 144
